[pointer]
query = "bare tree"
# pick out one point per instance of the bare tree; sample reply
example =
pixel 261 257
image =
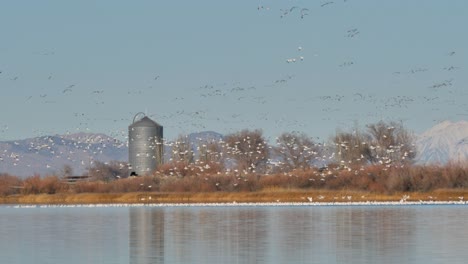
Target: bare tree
pixel 384 143
pixel 391 143
pixel 211 151
pixel 296 150
pixel 352 147
pixel 182 150
pixel 248 149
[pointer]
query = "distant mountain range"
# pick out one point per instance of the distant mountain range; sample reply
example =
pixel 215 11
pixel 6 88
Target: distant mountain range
pixel 447 141
pixel 49 154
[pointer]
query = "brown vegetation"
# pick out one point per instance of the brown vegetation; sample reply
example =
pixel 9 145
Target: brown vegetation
pixel 377 179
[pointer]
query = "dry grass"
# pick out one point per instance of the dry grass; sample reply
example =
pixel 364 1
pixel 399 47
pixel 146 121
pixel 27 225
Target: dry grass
pixel 271 195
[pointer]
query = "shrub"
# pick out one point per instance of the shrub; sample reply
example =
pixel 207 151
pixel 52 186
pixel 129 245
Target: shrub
pixel 9 185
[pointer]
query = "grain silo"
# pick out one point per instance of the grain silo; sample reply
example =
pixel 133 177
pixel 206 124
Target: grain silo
pixel 145 145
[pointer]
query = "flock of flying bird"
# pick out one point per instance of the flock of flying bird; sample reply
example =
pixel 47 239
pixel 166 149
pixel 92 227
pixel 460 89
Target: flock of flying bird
pixel 248 94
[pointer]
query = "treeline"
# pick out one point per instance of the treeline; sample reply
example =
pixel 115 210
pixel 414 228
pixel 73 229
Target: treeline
pixel 248 151
pixel 378 158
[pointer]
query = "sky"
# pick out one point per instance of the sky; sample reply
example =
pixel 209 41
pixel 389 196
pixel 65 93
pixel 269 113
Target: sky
pixel 279 66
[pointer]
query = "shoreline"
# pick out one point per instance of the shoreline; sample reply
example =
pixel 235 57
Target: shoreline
pixel 268 197
pixel 310 204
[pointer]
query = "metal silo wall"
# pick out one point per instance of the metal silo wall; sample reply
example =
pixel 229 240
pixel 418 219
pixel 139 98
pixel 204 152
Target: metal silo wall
pixel 159 146
pixel 143 149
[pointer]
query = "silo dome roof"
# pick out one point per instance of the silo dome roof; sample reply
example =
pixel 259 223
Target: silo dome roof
pixel 145 122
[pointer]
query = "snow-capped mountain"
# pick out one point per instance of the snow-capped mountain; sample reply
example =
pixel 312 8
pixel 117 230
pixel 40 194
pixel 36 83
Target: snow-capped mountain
pixel 48 155
pixel 443 143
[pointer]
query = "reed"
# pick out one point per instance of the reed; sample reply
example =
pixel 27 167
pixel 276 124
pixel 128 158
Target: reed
pixel 265 196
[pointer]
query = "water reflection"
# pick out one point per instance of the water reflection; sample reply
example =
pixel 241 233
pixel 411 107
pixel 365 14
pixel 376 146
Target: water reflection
pixel 285 235
pixel 197 235
pixel 270 235
pixel 63 235
pixel 353 234
pixel 367 236
pixel 146 235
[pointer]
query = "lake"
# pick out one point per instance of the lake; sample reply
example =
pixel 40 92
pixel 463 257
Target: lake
pixel 235 234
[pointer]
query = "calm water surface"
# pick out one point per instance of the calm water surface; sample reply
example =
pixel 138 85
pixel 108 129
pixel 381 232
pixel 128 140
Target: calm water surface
pixel 328 234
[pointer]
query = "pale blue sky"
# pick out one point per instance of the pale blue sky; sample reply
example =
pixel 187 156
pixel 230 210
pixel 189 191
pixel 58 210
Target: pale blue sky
pixel 69 66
